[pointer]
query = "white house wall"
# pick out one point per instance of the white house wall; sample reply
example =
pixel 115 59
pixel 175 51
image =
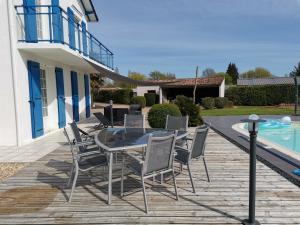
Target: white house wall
pixel 8 134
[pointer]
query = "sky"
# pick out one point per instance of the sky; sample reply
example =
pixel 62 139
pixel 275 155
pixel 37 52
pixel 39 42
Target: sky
pixel 177 35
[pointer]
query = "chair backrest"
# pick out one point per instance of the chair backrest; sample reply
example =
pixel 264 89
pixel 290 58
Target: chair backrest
pixel 135 109
pixel 198 145
pixel 102 118
pixel 134 121
pixel 177 123
pixel 159 153
pixel 77 135
pixel 73 151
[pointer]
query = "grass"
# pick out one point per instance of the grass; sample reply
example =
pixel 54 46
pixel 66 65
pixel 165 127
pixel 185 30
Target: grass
pixel 247 110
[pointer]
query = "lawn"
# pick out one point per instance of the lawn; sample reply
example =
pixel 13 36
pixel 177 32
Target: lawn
pixel 247 110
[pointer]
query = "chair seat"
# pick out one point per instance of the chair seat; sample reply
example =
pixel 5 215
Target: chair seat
pixel 91 148
pixel 89 162
pixel 182 156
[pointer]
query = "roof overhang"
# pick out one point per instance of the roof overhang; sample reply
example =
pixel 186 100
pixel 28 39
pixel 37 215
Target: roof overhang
pixel 89 11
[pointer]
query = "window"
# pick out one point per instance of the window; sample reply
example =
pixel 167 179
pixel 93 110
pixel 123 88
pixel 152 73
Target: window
pixel 39 25
pixel 44 92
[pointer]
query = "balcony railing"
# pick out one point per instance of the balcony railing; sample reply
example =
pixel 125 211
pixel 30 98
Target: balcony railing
pixel 52 24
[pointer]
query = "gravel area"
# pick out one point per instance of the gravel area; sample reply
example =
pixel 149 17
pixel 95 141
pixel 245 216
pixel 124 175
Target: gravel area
pixel 9 169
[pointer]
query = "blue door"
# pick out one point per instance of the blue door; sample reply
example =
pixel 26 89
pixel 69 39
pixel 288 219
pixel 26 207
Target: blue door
pixel 35 99
pixel 71 23
pixel 84 38
pixel 87 96
pixel 57 22
pixel 30 21
pixel 75 96
pixel 60 97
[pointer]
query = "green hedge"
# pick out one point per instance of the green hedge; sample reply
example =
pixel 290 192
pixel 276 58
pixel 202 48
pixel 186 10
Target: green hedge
pixel 208 103
pixel 187 107
pixel 151 98
pixel 120 96
pixel 158 114
pixel 220 102
pixel 140 100
pixel 261 95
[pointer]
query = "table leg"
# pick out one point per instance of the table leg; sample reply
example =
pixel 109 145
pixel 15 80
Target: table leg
pixel 110 159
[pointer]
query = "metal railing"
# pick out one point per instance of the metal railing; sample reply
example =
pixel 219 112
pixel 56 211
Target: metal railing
pixel 52 24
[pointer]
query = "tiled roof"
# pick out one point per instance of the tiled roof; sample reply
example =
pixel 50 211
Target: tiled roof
pixel 266 81
pixel 188 82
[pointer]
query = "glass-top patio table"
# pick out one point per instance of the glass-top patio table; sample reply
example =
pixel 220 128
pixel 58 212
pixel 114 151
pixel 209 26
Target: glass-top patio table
pixel 114 140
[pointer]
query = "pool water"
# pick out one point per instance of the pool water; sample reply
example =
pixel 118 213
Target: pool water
pixel 286 135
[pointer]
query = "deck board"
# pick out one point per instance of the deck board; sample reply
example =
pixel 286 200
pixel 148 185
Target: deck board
pixel 37 194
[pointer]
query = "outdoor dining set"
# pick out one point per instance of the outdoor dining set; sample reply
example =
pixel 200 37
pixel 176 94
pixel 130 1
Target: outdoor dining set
pixel 149 153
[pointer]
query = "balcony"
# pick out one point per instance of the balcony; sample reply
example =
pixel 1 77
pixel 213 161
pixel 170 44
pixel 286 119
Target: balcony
pixel 53 25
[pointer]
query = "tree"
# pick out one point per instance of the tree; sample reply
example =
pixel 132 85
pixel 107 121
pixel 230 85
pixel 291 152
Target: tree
pixel 95 82
pixel 208 72
pixel 157 75
pixel 259 72
pixel 296 71
pixel 195 87
pixel 233 72
pixel 227 77
pixel 136 76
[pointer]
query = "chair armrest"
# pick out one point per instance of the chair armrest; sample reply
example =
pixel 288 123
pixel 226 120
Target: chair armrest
pixel 181 148
pixel 83 143
pixel 134 157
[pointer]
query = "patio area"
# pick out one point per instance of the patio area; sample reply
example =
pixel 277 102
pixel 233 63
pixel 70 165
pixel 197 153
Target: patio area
pixel 37 193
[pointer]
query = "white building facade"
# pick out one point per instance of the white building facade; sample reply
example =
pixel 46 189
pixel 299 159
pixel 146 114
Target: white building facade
pixel 47 56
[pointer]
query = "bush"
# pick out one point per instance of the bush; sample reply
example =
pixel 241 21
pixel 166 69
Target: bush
pixel 187 107
pixel 120 96
pixel 150 99
pixel 158 114
pixel 220 102
pixel 208 103
pixel 140 100
pixel 261 95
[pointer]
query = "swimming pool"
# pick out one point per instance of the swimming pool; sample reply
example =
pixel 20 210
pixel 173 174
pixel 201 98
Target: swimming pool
pixel 277 134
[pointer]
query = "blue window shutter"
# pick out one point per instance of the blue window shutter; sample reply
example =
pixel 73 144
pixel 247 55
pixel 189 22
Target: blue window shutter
pixel 87 96
pixel 71 24
pixel 30 21
pixel 35 99
pixel 61 105
pixel 57 22
pixel 84 38
pixel 75 96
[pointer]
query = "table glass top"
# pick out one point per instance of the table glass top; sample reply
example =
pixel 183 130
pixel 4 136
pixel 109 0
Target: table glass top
pixel 114 138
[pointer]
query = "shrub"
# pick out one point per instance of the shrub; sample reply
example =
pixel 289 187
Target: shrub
pixel 150 98
pixel 208 103
pixel 158 114
pixel 220 102
pixel 140 100
pixel 261 95
pixel 187 107
pixel 121 96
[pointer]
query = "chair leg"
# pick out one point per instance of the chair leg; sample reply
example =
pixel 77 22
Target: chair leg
pixel 74 184
pixel 71 175
pixel 191 177
pixel 122 176
pixel 181 168
pixel 175 185
pixel 206 169
pixel 144 194
pixel 161 178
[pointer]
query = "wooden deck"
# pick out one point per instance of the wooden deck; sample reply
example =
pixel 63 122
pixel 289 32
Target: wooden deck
pixel 36 195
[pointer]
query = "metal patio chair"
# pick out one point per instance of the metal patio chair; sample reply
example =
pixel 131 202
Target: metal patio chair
pixel 103 121
pixel 177 122
pixel 82 161
pixel 158 160
pixel 134 121
pixel 184 155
